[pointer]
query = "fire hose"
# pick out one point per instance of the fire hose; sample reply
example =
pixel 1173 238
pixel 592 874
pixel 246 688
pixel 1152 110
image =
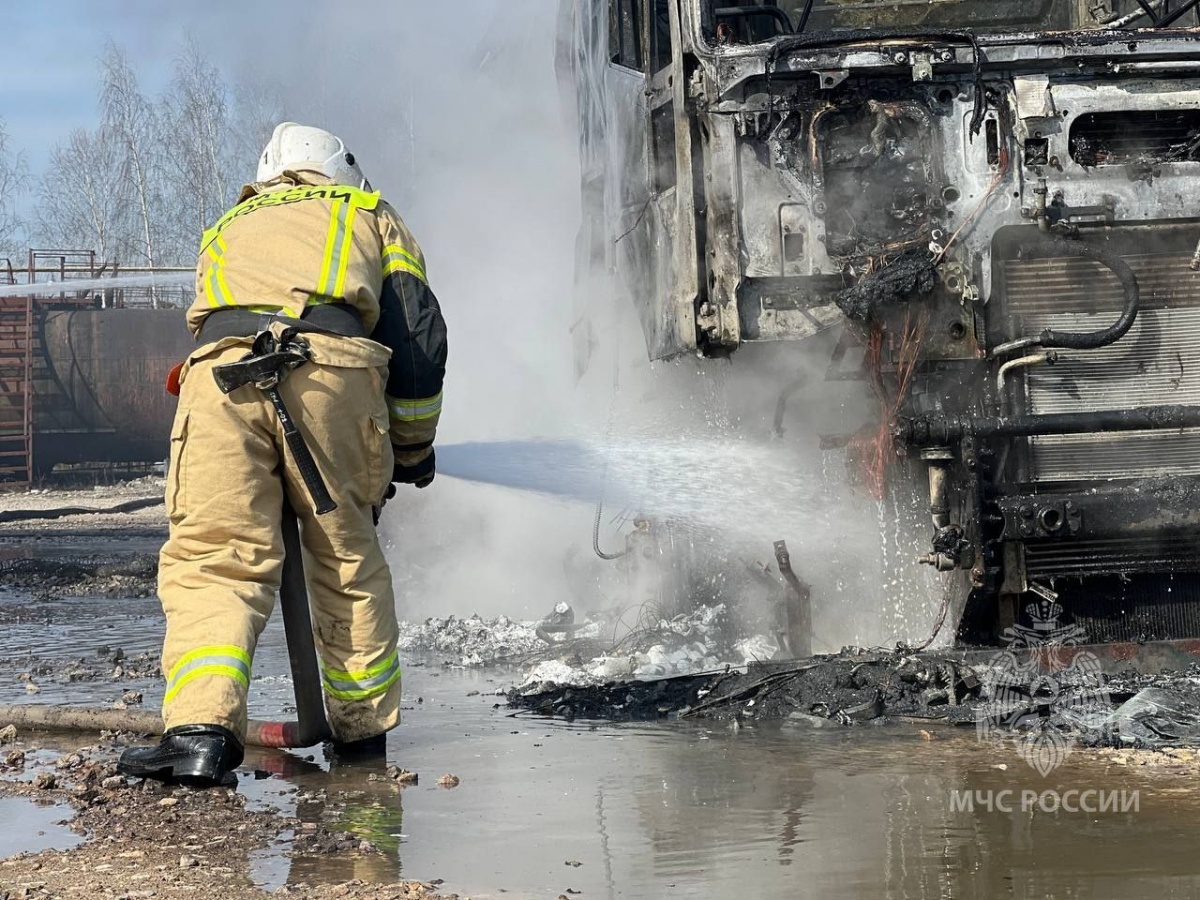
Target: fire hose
pixel 310 726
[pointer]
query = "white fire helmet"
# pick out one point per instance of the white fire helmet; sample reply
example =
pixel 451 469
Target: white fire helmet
pixel 295 147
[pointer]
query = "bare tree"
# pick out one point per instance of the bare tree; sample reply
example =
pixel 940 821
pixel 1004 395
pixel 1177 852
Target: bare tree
pixel 14 179
pixel 142 187
pixel 83 202
pixel 196 111
pixel 132 120
pixel 258 108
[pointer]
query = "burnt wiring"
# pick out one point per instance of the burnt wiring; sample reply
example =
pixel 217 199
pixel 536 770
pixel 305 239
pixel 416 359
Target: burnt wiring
pixel 938 624
pixel 1002 169
pixel 874 449
pixel 800 41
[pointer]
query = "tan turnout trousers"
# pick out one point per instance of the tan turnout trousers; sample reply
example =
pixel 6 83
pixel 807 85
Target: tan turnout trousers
pixel 220 568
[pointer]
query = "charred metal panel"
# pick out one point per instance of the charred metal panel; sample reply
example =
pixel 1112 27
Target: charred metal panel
pixel 636 155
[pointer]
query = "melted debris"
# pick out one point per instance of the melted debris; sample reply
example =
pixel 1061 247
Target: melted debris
pixel 847 688
pixel 912 273
pixel 473 641
pixel 1098 710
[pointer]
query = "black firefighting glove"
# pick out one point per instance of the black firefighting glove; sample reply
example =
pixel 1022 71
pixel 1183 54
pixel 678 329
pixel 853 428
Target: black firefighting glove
pixel 420 475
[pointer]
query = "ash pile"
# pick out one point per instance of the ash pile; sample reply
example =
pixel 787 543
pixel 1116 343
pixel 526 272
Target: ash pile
pixel 858 687
pixel 599 647
pixel 855 686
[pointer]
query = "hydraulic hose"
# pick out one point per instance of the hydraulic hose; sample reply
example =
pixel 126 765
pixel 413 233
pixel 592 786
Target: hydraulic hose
pixel 1090 340
pixel 596 537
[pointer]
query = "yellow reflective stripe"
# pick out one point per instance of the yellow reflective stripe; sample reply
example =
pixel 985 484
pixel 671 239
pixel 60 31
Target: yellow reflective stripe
pixel 343 254
pixel 216 291
pixel 398 259
pixel 414 410
pixel 204 671
pixel 342 694
pixel 399 264
pixel 363 685
pixel 293 194
pixel 218 650
pixel 336 222
pixel 397 250
pixel 383 665
pixel 222 287
pixel 225 660
pixel 217 249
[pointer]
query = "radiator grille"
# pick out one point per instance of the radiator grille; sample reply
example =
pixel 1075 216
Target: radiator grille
pixel 1149 608
pixel 1156 364
pixel 1165 554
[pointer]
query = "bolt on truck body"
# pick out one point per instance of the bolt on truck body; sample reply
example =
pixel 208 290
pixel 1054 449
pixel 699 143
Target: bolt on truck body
pixel 996 203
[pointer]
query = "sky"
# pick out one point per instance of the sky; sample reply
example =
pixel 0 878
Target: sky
pixel 51 59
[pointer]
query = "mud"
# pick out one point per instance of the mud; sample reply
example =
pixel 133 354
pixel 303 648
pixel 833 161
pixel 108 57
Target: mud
pixel 128 575
pixel 143 839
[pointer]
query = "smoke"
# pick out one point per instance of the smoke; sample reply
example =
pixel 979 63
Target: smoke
pixel 456 114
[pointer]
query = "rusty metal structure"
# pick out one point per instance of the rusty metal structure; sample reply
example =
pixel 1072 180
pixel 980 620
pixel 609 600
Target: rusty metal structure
pixel 993 203
pixel 82 370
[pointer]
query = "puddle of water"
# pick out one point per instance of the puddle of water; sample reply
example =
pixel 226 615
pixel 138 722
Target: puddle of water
pixel 700 812
pixel 27 827
pixel 676 810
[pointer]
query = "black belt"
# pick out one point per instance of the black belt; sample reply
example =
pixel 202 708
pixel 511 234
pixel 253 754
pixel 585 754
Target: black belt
pixel 327 318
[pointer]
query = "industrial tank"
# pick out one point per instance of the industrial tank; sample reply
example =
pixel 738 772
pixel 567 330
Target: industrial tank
pixel 99 384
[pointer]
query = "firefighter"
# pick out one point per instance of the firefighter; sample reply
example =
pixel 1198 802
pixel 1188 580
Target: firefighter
pixel 315 281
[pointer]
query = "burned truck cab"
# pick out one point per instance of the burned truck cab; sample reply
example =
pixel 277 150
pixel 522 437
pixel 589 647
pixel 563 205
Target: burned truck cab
pixel 999 203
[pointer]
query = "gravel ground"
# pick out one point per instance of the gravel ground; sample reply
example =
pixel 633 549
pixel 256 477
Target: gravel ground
pixel 145 840
pixel 144 522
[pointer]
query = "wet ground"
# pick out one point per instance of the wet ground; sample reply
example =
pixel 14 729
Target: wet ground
pixel 674 809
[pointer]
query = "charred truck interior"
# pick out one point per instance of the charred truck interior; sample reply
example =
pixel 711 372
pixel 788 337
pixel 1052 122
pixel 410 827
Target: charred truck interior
pixel 999 201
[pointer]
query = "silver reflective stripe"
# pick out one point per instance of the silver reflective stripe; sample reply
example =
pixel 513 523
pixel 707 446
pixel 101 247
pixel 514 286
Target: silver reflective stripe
pixel 343 684
pixel 414 410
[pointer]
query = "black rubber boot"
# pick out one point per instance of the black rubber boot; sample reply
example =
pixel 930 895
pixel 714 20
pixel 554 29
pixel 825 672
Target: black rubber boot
pixel 368 750
pixel 197 755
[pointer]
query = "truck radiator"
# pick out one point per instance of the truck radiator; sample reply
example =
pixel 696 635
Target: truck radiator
pixel 1151 608
pixel 1156 364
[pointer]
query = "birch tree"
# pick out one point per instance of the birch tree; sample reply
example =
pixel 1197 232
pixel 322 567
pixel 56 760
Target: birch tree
pixel 258 108
pixel 196 149
pixel 83 202
pixel 132 120
pixel 14 178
